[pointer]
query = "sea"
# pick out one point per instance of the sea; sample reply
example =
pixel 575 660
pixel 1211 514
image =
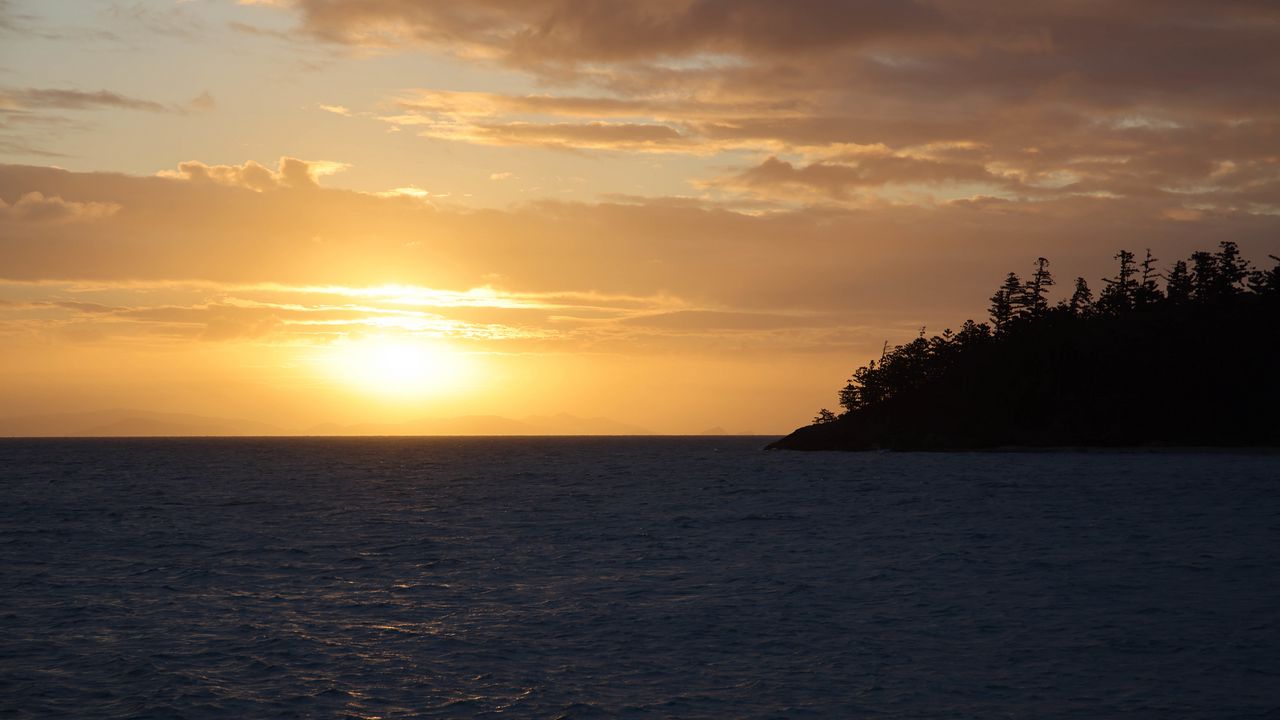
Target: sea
pixel 632 578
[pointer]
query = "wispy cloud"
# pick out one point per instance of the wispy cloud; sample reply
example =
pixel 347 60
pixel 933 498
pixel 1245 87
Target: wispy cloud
pixel 204 102
pixel 35 207
pixel 32 120
pixel 13 99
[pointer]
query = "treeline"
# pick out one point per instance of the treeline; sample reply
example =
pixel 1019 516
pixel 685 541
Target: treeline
pixel 1019 307
pixel 1183 354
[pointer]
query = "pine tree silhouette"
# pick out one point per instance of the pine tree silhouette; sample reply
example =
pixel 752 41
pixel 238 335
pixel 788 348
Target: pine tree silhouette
pixel 1178 284
pixel 824 416
pixel 1039 284
pixel 1206 281
pixel 1081 299
pixel 1148 290
pixel 1266 282
pixel 1119 294
pixel 1007 303
pixel 1232 268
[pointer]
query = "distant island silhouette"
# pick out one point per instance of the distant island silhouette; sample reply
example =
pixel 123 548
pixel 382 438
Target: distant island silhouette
pixel 1185 357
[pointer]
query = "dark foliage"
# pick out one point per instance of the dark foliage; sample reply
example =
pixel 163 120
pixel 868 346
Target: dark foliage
pixel 1192 363
pixel 824 416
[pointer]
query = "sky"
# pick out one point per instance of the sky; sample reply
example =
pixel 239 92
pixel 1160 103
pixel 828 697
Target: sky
pixel 677 214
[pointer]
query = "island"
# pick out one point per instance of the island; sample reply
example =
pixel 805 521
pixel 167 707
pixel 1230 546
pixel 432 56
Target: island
pixel 1185 356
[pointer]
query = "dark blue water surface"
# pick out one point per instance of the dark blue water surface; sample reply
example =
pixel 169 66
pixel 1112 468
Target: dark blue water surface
pixel 582 578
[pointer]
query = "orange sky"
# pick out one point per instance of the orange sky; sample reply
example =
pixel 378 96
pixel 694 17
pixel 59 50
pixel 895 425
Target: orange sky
pixel 678 214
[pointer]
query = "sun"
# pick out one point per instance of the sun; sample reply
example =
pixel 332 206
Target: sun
pixel 394 367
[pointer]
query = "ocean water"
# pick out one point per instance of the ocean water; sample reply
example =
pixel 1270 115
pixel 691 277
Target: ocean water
pixel 636 578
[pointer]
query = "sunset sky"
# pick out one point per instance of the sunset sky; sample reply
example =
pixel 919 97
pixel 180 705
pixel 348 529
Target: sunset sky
pixel 674 213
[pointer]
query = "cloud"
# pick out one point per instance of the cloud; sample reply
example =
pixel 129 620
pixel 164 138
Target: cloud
pixel 578 122
pixel 839 180
pixel 456 104
pixel 716 320
pixel 805 262
pixel 865 168
pixel 290 173
pixel 567 31
pixel 61 99
pixel 204 102
pixel 243 289
pixel 34 207
pixel 319 314
pixel 35 118
pixel 594 135
pixel 16 146
pixel 1138 99
pixel 8 18
pixel 1165 46
pixel 253 30
pixel 411 191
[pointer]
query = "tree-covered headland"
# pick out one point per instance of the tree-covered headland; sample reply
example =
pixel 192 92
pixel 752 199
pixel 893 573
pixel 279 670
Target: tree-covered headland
pixel 1184 355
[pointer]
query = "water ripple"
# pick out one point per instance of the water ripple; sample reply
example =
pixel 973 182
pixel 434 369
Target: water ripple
pixel 633 578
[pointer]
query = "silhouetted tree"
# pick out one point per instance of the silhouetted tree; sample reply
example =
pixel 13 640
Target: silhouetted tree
pixel 1232 268
pixel 1007 303
pixel 1266 282
pixel 824 416
pixel 1147 292
pixel 1216 276
pixel 1205 279
pixel 1178 284
pixel 972 333
pixel 851 396
pixel 1025 334
pixel 864 388
pixel 1119 293
pixel 1034 292
pixel 1082 299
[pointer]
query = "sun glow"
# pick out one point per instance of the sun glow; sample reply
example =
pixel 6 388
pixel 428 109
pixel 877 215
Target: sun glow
pixel 396 367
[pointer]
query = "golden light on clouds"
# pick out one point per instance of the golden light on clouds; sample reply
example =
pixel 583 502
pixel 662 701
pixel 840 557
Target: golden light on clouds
pixel 679 214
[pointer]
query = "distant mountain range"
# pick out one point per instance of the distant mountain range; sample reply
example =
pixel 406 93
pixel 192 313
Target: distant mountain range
pixel 145 423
